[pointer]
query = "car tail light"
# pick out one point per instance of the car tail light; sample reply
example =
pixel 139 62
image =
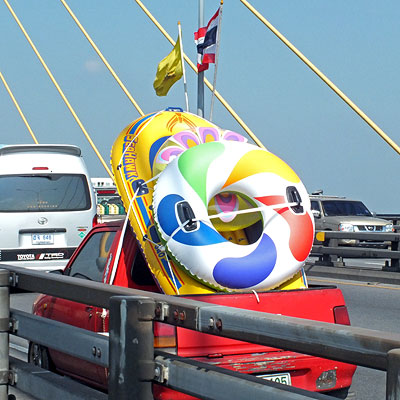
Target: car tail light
pixel 341 315
pixel 327 380
pixel 165 337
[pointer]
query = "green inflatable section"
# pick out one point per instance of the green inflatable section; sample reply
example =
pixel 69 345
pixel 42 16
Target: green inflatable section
pixel 194 164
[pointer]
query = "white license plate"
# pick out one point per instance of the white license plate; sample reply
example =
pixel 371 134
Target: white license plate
pixel 42 238
pixel 279 378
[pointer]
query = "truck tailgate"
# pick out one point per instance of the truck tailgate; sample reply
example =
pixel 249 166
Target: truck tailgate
pixel 312 303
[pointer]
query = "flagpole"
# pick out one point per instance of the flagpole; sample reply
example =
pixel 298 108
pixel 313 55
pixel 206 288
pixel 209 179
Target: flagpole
pixel 216 59
pixel 183 67
pixel 200 76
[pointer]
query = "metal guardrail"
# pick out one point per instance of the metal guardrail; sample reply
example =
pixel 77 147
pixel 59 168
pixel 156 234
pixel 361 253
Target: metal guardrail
pixel 395 218
pixel 331 253
pixel 134 365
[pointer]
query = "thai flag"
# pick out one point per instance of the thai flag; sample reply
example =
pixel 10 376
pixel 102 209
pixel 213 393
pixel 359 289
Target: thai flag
pixel 206 41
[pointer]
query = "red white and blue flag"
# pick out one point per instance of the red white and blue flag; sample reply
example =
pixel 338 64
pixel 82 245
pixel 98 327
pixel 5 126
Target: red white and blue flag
pixel 206 41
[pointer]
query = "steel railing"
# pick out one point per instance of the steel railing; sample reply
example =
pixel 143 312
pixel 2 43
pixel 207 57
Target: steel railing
pixel 129 354
pixel 363 245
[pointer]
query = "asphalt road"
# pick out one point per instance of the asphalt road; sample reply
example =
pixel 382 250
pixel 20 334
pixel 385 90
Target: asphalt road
pixel 371 305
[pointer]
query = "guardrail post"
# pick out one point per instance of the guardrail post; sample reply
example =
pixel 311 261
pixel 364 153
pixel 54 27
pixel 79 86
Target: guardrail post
pixel 393 375
pixel 395 262
pixel 4 327
pixel 131 359
pixel 336 260
pixel 331 260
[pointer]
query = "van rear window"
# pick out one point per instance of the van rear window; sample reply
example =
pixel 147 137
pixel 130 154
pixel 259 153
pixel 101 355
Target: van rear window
pixel 44 192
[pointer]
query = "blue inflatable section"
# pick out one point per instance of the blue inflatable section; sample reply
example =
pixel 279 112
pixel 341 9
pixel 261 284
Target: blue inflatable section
pixel 155 147
pixel 168 222
pixel 247 271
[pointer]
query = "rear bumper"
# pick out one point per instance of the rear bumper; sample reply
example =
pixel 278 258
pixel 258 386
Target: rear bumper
pixel 44 266
pixel 42 259
pixel 305 371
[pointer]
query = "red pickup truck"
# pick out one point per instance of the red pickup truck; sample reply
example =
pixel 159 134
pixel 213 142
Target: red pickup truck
pixel 94 259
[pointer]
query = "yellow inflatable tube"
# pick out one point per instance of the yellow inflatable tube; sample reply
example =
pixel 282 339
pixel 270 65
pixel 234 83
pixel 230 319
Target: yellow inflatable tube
pixel 132 158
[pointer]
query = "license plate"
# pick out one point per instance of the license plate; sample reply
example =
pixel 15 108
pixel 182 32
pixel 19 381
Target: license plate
pixel 279 378
pixel 42 238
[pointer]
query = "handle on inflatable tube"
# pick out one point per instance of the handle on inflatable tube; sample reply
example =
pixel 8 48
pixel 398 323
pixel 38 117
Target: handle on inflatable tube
pixel 293 196
pixel 186 216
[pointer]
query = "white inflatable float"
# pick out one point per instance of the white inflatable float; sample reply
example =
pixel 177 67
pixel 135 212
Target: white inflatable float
pixel 219 176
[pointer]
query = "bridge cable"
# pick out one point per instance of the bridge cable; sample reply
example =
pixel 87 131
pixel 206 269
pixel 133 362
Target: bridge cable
pixel 18 108
pixel 306 61
pixel 125 90
pixel 59 90
pixel 217 94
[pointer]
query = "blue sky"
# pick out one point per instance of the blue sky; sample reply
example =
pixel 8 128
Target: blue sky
pixel 297 117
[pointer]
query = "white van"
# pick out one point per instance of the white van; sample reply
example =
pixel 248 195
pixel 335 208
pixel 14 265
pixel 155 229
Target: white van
pixel 47 204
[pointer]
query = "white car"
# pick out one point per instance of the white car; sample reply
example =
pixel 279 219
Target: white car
pixel 47 204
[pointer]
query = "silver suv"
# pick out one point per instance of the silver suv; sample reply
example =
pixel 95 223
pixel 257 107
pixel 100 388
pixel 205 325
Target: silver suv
pixel 333 213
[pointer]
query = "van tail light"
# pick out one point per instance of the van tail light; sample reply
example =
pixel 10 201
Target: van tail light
pixel 165 337
pixel 341 315
pixel 95 220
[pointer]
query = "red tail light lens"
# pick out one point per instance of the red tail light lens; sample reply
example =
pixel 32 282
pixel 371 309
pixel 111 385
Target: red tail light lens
pixel 95 221
pixel 165 337
pixel 341 315
pixel 106 191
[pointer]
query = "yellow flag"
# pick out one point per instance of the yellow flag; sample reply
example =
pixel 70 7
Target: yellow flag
pixel 168 71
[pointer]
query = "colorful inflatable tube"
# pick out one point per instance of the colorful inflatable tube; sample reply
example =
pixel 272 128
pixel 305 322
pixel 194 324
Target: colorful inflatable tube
pixel 174 168
pixel 282 238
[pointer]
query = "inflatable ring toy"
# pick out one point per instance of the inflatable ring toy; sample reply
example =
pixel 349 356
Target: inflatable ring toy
pixel 281 239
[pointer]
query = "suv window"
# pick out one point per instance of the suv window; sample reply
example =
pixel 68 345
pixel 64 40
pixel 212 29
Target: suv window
pixel 91 260
pixel 335 208
pixel 315 205
pixel 44 192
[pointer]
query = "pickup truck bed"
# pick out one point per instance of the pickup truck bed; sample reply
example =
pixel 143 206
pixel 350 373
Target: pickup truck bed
pixel 94 260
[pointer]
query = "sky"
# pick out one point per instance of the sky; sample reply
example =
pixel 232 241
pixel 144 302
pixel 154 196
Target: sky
pixel 294 114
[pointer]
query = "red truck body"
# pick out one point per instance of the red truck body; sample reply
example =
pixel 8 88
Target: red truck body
pixel 93 260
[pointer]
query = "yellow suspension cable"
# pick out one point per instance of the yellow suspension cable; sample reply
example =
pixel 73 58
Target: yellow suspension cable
pixel 102 58
pixel 306 61
pixel 18 108
pixel 59 90
pixel 187 59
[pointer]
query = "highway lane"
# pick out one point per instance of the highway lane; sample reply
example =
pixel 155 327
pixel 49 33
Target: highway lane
pixel 373 306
